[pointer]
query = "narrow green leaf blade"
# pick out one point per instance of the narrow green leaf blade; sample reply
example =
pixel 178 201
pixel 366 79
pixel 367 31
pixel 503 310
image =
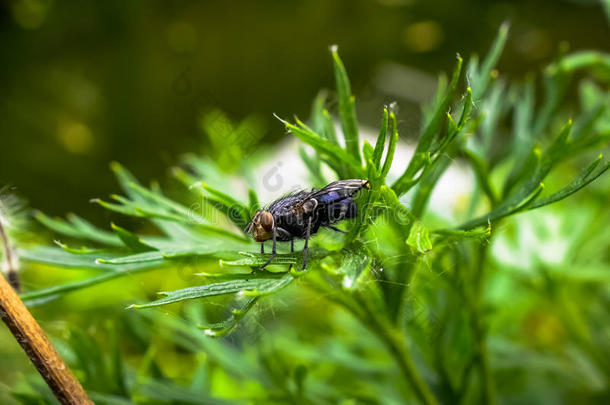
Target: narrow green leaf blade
pixel 77 228
pixel 334 152
pixel 131 240
pixel 225 327
pixel 380 144
pixel 347 109
pixel 393 129
pixel 257 286
pixel 586 177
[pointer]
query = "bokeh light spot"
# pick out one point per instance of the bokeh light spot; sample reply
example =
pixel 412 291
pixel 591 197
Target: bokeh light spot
pixel 423 36
pixel 75 137
pixel 30 14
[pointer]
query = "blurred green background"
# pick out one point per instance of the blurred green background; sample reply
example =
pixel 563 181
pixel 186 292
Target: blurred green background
pixel 85 83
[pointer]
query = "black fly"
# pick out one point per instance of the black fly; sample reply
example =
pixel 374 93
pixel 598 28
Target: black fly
pixel 301 214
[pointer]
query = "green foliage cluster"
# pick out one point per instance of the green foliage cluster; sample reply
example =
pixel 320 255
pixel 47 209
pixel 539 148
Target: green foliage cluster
pixel 414 320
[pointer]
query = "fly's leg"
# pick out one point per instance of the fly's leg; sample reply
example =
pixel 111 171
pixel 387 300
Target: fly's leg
pixel 262 247
pixel 334 228
pixel 273 252
pixel 291 251
pixel 307 231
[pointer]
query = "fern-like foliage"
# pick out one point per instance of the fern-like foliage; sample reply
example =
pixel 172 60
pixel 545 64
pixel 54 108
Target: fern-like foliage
pixel 376 282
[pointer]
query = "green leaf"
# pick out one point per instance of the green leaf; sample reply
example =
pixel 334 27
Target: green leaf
pixel 587 176
pixel 258 259
pixel 419 238
pixel 329 128
pixel 508 207
pixel 317 112
pixel 521 169
pixel 391 147
pixel 482 174
pixel 132 241
pixel 380 144
pixel 140 209
pixel 77 251
pixel 225 327
pixel 254 287
pixel 356 261
pixel 237 212
pixel 524 109
pixel 313 165
pixel 155 198
pixel 55 256
pixel 432 130
pixel 336 154
pixel 145 257
pixel 401 214
pixel 240 276
pixel 583 60
pixel 58 257
pixel 477 233
pixel 126 179
pixel 253 201
pixel 466 109
pixel 347 109
pixel 480 81
pixel 78 228
pixel 367 151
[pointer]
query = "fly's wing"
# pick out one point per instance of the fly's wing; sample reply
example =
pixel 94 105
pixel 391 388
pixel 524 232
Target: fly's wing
pixel 335 192
pixel 287 202
pixel 339 190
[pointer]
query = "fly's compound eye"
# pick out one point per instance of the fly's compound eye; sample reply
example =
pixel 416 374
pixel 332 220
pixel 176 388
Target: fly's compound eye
pixel 266 221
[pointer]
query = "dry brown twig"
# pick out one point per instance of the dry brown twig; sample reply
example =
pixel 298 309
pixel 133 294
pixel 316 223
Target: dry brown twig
pixel 33 340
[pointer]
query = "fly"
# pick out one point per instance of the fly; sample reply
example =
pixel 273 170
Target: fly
pixel 301 214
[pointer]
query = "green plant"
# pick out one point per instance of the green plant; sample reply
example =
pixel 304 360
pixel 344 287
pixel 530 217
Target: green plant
pixel 420 293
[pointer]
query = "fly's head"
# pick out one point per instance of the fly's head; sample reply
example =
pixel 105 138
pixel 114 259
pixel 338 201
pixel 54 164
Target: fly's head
pixel 261 226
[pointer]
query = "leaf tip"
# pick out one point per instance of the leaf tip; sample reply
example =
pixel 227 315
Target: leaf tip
pixel 115 166
pixel 58 243
pixel 504 27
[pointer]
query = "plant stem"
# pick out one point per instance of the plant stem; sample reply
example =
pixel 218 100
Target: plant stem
pixel 479 333
pixel 394 342
pixel 37 346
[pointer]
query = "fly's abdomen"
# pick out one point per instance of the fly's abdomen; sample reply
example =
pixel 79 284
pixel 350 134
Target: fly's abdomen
pixel 338 211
